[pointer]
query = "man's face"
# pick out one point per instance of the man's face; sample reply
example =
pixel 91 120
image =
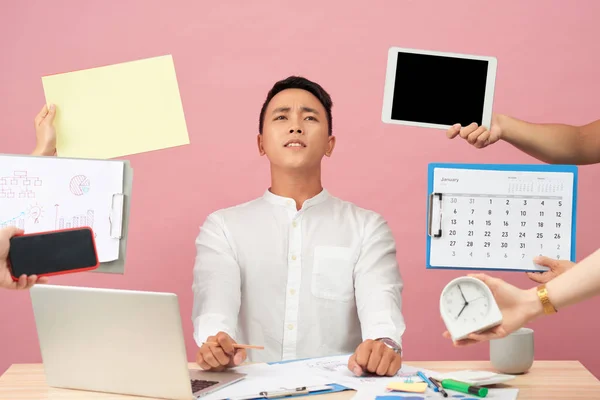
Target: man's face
pixel 295 131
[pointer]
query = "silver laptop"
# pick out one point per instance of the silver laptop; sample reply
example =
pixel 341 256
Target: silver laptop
pixel 118 341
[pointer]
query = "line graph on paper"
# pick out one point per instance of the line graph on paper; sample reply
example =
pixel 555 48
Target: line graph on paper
pixel 19 185
pixel 17 221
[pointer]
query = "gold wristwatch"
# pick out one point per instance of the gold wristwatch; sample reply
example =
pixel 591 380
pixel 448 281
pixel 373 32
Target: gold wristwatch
pixel 542 293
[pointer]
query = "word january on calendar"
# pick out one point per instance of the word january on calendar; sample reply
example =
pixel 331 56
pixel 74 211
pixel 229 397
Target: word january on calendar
pixel 500 216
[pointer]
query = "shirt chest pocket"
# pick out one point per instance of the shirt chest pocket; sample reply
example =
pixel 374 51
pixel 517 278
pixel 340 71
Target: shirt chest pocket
pixel 333 273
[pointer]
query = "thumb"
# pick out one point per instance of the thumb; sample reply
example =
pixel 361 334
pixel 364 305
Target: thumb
pixel 354 367
pixel 51 114
pixel 239 357
pixel 488 280
pixel 453 131
pixel 11 231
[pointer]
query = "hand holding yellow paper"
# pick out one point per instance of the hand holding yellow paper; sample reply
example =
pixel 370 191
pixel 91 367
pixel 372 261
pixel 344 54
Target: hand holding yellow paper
pixel 117 110
pixel 411 387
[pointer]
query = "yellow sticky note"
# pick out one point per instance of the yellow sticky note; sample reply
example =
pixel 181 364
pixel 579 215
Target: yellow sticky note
pixel 414 387
pixel 117 110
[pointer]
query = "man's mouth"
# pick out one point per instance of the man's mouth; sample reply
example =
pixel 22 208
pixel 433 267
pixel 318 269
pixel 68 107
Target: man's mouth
pixel 294 143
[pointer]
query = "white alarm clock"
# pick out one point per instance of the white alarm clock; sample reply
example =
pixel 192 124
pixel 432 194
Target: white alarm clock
pixel 468 306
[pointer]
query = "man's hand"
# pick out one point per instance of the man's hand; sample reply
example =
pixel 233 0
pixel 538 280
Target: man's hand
pixel 478 136
pixel 516 305
pixel 44 132
pixel 557 267
pixel 217 358
pixel 6 280
pixel 376 358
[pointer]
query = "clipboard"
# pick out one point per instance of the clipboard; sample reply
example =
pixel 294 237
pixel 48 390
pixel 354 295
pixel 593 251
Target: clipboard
pixel 118 215
pixel 498 217
pixel 119 222
pixel 294 392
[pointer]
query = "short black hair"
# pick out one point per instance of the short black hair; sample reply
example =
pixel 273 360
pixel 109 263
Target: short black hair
pixel 298 82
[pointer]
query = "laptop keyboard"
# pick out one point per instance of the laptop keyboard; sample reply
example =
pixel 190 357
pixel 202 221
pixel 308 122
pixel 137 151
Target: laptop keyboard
pixel 200 384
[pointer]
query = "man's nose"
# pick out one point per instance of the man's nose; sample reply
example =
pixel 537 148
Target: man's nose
pixel 297 130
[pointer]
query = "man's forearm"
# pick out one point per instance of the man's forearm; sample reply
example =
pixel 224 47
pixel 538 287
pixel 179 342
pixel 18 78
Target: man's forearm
pixel 552 143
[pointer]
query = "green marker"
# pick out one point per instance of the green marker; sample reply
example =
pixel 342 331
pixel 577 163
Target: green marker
pixel 464 387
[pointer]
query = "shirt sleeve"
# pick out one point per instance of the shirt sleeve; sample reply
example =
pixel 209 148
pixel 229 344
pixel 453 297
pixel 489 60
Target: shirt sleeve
pixel 216 285
pixel 378 284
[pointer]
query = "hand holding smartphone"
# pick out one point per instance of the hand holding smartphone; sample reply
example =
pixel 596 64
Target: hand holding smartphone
pixel 52 253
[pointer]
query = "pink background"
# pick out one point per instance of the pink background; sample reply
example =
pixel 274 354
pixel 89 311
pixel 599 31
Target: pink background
pixel 228 55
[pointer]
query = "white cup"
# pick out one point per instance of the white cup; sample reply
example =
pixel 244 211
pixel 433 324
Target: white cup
pixel 513 354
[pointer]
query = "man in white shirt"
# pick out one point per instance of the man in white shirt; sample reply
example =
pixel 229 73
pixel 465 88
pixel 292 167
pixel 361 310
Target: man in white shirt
pixel 298 271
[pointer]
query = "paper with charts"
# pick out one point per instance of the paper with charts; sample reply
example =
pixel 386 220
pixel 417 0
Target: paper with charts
pixel 499 219
pixel 117 110
pixel 47 193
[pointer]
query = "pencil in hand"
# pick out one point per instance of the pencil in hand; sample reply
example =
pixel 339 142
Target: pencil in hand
pixel 237 346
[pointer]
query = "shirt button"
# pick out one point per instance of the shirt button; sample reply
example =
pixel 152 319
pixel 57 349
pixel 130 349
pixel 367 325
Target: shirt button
pixel 292 292
pixel 291 326
pixel 294 224
pixel 294 257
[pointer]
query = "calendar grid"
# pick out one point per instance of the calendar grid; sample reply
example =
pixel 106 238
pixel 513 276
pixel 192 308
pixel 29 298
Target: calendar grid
pixel 500 219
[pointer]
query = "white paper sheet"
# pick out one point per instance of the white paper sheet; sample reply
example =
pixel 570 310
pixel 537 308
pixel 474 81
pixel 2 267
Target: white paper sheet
pixel 49 193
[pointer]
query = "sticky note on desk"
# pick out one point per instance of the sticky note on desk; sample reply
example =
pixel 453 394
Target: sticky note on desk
pixel 412 387
pixel 117 110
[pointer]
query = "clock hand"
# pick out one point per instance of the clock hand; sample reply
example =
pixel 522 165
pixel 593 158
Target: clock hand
pixel 480 297
pixel 465 306
pixel 463 296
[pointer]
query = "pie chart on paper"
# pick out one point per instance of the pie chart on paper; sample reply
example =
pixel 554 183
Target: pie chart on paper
pixel 79 185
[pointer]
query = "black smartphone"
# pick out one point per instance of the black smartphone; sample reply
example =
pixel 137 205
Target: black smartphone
pixel 53 253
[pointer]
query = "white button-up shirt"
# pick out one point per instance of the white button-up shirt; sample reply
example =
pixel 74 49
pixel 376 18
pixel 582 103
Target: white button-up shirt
pixel 303 283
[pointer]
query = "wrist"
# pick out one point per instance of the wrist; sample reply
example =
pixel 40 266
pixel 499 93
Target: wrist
pixel 534 307
pixel 42 151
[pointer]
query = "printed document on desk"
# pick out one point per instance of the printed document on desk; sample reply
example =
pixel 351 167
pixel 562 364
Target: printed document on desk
pixel 264 377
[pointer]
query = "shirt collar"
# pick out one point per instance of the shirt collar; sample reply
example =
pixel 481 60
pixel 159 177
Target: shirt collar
pixel 288 202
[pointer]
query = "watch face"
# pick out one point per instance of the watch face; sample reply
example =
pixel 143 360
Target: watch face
pixel 466 302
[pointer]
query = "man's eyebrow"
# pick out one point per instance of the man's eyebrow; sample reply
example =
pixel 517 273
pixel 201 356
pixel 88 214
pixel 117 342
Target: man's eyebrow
pixel 281 110
pixel 310 110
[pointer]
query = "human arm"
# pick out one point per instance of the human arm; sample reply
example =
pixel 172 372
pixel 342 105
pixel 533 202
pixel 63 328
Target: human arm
pixel 548 142
pixel 217 297
pixel 45 133
pixel 378 292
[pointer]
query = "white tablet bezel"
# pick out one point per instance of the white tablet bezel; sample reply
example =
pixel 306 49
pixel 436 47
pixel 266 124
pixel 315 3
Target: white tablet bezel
pixel 390 77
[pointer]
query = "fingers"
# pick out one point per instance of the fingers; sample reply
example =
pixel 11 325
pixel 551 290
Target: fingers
pixel 377 352
pixel 362 354
pixel 482 140
pixel 22 282
pixel 545 262
pixel 41 115
pixel 539 277
pixel 42 280
pixel 353 366
pixel 239 357
pixel 49 118
pixel 395 365
pixel 386 360
pixel 466 131
pixel 200 361
pixel 473 136
pixel 225 342
pixel 219 355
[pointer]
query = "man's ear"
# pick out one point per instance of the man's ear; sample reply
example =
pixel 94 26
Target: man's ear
pixel 259 142
pixel 330 146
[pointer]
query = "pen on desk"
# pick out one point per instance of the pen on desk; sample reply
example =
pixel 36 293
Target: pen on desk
pixel 238 346
pixel 427 380
pixel 439 387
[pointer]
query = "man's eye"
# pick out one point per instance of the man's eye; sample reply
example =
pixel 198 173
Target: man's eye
pixel 311 118
pixel 279 117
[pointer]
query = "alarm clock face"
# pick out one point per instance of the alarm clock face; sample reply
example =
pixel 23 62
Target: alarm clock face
pixel 466 301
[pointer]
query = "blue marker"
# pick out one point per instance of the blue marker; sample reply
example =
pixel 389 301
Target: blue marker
pixel 427 381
